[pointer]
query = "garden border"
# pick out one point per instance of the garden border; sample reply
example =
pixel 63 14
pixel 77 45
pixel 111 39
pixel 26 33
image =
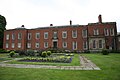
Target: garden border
pixel 85 65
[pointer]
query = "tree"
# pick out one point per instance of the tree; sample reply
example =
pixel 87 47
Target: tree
pixel 2 28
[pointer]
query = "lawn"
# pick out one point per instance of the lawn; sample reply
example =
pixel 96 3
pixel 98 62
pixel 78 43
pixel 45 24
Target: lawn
pixel 4 57
pixel 110 65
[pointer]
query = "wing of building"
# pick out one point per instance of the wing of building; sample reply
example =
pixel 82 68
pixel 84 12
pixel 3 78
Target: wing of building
pixel 93 37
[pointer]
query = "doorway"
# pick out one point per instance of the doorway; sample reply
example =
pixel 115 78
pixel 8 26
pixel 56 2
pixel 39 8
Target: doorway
pixel 55 44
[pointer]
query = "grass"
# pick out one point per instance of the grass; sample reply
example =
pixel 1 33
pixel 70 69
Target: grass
pixel 75 62
pixel 108 63
pixel 4 57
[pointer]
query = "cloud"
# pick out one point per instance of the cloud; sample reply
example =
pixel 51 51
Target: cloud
pixel 40 13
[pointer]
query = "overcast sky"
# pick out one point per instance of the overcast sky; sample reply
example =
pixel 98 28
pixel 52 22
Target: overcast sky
pixel 42 13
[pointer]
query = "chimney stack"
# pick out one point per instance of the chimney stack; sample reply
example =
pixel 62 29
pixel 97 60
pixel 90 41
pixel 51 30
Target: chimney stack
pixel 70 22
pixel 100 18
pixel 22 26
pixel 51 24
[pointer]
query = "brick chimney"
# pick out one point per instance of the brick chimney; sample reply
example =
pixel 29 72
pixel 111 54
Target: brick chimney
pixel 100 18
pixel 70 22
pixel 51 24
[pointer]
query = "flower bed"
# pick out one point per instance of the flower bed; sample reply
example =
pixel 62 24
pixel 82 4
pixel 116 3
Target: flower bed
pixel 56 59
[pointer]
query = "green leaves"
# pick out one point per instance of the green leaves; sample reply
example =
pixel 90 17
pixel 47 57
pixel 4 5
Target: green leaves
pixel 2 28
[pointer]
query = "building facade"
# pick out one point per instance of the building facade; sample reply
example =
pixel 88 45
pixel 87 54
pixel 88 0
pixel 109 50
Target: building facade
pixel 94 36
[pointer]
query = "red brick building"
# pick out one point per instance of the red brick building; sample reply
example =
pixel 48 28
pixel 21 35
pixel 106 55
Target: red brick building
pixel 94 36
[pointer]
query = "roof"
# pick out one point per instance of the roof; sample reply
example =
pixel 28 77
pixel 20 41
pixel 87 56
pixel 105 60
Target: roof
pixel 63 26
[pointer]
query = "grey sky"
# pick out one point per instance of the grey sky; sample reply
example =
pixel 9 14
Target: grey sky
pixel 41 13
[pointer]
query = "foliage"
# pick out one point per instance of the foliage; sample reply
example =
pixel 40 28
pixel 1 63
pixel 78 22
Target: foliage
pixel 21 52
pixel 49 53
pixel 4 51
pixel 30 53
pixel 39 53
pixel 12 53
pixel 105 52
pixel 61 59
pixel 2 28
pixel 44 54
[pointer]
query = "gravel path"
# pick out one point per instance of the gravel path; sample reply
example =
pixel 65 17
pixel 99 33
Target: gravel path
pixel 85 65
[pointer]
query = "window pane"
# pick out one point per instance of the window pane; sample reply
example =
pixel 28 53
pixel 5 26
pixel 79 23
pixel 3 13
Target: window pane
pixel 13 36
pixel 64 34
pixel 7 37
pixel 74 34
pixel 37 35
pixel 19 35
pixel 13 45
pixel 94 44
pixel 7 45
pixel 29 36
pixel 100 43
pixel 37 45
pixel 46 35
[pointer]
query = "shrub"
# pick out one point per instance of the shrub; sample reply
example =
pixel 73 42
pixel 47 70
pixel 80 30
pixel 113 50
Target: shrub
pixel 30 53
pixel 49 53
pixel 44 54
pixel 39 53
pixel 21 52
pixel 4 51
pixel 12 53
pixel 105 52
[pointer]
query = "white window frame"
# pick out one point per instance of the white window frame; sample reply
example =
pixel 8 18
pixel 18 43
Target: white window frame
pixel 45 44
pixel 64 32
pixel 28 45
pixel 29 36
pixel 36 35
pixel 19 45
pixel 84 31
pixel 75 34
pixel 112 32
pixel 7 36
pixel 74 43
pixel 64 46
pixel 19 37
pixel 55 34
pixel 45 33
pixel 13 45
pixel 106 32
pixel 37 44
pixel 7 45
pixel 96 31
pixel 85 45
pixel 13 36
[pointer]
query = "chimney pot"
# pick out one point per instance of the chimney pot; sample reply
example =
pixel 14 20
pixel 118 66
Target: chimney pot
pixel 100 18
pixel 22 26
pixel 70 22
pixel 51 24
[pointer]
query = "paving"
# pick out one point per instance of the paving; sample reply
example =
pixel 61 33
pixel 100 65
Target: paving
pixel 86 64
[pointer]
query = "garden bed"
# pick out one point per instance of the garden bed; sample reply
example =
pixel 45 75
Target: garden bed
pixel 54 59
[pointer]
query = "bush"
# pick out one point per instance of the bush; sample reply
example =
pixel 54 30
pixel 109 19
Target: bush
pixel 44 54
pixel 21 52
pixel 30 53
pixel 12 53
pixel 39 53
pixel 49 53
pixel 105 52
pixel 4 51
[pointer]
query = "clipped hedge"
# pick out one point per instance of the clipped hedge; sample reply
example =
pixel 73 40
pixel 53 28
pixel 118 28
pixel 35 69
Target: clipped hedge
pixel 105 52
pixel 12 53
